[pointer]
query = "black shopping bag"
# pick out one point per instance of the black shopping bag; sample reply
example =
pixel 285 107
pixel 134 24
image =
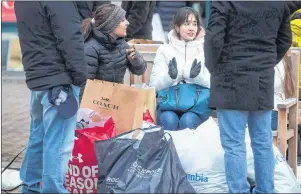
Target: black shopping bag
pixel 147 163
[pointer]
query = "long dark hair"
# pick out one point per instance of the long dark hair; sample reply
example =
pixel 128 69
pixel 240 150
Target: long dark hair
pixel 289 84
pixel 181 16
pixel 100 15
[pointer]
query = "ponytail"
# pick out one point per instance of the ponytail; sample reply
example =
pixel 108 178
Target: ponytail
pixel 87 28
pixel 289 85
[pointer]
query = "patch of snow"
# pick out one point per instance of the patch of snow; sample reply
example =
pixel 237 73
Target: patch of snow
pixel 10 179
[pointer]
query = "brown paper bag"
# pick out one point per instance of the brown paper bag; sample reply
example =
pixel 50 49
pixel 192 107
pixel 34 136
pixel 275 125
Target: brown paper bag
pixel 149 99
pixel 124 103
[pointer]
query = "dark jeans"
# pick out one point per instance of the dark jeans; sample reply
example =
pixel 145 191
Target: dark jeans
pixel 173 121
pixel 274 122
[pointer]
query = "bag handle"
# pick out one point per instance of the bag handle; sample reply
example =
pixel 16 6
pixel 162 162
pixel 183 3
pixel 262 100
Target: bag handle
pixel 114 78
pixel 196 97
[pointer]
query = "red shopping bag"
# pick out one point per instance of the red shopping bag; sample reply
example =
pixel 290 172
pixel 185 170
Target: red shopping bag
pixel 147 117
pixel 82 171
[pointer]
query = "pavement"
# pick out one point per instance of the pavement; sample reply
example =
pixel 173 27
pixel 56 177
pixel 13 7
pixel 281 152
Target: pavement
pixel 15 117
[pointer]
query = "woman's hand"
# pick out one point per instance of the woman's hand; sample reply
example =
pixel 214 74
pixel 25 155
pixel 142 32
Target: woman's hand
pixel 172 68
pixel 195 69
pixel 131 53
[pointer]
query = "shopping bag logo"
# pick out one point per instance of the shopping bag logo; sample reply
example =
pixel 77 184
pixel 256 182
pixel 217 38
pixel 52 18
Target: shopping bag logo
pixel 143 172
pixel 79 157
pixel 112 180
pixel 196 178
pixel 279 158
pixel 105 103
pixel 162 98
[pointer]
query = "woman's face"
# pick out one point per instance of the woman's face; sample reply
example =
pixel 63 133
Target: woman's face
pixel 189 29
pixel 120 30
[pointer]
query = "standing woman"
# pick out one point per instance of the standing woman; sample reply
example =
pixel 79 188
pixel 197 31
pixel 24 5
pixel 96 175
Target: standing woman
pixel 107 53
pixel 181 61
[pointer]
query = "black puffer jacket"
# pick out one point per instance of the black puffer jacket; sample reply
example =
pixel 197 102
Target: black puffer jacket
pixel 244 41
pixel 107 59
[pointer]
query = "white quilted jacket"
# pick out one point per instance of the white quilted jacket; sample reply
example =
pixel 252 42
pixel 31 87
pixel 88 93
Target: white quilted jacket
pixel 279 95
pixel 185 53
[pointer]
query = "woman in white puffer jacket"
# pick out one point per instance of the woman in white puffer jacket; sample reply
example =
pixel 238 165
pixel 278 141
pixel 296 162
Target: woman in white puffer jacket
pixel 283 86
pixel 182 60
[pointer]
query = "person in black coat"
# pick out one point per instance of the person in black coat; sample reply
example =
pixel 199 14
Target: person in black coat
pixel 86 8
pixel 107 53
pixel 140 16
pixel 52 46
pixel 243 43
pixel 167 9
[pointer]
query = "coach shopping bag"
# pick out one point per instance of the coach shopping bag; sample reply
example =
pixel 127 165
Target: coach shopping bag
pixel 122 102
pixel 144 162
pixel 82 171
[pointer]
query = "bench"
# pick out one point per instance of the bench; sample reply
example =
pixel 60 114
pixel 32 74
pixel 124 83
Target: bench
pixel 286 136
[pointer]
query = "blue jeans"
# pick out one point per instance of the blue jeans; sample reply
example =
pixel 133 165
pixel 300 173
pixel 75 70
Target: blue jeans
pixel 274 122
pixel 172 121
pixel 49 146
pixel 232 126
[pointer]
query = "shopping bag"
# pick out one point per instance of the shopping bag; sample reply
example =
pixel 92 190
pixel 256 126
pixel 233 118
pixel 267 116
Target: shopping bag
pixel 88 118
pixel 202 157
pixel 146 162
pixel 149 99
pixel 82 171
pixel 147 117
pixel 122 102
pixel 203 161
pixel 284 178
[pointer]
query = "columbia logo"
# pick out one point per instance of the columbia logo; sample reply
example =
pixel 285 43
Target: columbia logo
pixel 197 178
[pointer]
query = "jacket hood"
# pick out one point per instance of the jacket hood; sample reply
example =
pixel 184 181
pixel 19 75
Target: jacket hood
pixel 296 15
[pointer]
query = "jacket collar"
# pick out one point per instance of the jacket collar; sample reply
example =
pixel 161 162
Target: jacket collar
pixel 106 40
pixel 174 40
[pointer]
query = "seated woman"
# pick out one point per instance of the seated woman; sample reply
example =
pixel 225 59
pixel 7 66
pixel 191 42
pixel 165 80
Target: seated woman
pixel 283 85
pixel 182 60
pixel 107 53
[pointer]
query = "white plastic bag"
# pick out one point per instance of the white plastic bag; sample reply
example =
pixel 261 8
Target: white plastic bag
pixel 202 157
pixel 299 172
pixel 88 118
pixel 285 180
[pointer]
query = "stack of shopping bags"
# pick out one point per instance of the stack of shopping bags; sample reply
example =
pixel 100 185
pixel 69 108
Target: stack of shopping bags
pixel 125 104
pixel 118 149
